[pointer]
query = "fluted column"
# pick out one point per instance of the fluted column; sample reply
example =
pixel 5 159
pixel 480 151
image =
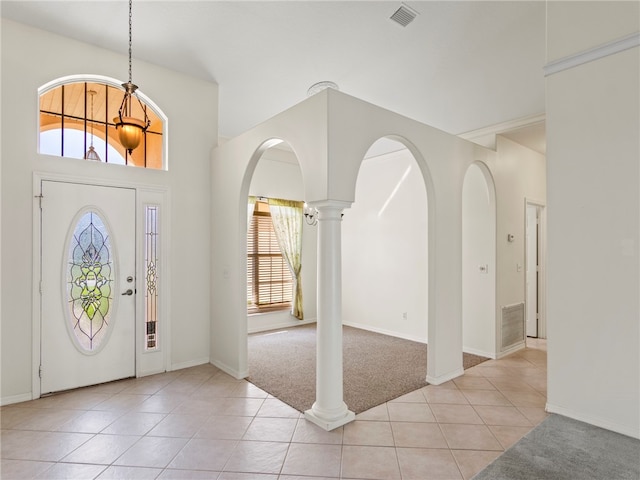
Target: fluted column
pixel 329 410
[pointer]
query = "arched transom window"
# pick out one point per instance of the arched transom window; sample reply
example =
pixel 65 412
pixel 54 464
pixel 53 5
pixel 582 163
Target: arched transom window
pixel 77 121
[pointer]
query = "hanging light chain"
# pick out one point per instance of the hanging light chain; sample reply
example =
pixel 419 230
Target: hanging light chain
pixel 130 15
pixel 130 129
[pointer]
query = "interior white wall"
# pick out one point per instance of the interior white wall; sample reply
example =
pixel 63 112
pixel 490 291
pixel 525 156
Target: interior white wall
pixel 478 250
pixel 278 175
pixel 594 211
pixel 519 174
pixel 384 249
pixel 192 130
pixel 586 25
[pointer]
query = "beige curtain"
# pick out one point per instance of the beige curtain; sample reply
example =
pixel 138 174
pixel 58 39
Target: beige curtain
pixel 251 205
pixel 286 216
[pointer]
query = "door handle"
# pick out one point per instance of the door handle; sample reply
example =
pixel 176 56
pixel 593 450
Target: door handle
pixel 128 292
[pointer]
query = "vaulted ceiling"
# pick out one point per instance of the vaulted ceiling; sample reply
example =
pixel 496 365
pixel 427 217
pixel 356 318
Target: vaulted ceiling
pixel 458 66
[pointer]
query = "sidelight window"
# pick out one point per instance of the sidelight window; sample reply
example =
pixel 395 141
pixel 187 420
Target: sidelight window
pixel 151 277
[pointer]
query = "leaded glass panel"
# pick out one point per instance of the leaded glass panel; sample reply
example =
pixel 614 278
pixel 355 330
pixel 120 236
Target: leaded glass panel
pixel 151 277
pixel 90 276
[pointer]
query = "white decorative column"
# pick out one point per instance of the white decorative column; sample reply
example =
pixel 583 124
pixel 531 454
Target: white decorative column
pixel 329 410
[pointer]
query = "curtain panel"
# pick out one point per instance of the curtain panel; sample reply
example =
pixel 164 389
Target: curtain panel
pixel 286 216
pixel 251 205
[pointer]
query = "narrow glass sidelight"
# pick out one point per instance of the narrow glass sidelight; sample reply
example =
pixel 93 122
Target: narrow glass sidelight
pixel 90 276
pixel 151 277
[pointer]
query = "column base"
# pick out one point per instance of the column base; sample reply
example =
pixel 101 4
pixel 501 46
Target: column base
pixel 332 423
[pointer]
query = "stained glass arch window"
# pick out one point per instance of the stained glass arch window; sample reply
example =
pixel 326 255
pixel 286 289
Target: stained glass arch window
pixel 90 274
pixel 76 121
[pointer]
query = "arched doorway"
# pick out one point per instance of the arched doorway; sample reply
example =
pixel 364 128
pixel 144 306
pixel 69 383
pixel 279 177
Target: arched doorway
pixel 277 175
pixel 385 238
pixel 479 262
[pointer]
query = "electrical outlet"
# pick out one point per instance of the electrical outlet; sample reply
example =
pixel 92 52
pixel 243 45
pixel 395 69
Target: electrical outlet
pixel 404 315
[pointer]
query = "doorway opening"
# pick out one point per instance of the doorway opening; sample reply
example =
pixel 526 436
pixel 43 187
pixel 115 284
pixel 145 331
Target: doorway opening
pixel 535 269
pixel 385 236
pixel 479 321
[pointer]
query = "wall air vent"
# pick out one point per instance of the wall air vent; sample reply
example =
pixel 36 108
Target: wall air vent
pixel 512 328
pixel 404 15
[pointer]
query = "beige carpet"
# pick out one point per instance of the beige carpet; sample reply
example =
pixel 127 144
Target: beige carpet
pixel 377 368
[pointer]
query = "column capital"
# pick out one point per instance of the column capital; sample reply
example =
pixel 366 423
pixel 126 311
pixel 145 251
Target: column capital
pixel 330 209
pixel 329 204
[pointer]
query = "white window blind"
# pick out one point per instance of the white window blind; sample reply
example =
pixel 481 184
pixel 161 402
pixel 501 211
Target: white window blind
pixel 269 281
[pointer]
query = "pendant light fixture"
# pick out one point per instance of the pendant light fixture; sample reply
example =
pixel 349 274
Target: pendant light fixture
pixel 130 129
pixel 91 153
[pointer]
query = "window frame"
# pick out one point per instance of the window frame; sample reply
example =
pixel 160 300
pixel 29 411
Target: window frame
pixel 285 280
pixel 117 84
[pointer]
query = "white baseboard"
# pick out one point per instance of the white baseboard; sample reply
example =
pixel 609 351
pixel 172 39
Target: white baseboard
pixel 481 353
pixel 189 364
pixel 280 325
pixel 147 373
pixel 384 332
pixel 598 422
pixel 23 397
pixel 228 370
pixel 444 378
pixel 512 349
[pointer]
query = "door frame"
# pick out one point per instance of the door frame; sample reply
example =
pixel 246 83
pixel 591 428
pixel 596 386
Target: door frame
pixel 532 234
pixel 542 262
pixel 146 363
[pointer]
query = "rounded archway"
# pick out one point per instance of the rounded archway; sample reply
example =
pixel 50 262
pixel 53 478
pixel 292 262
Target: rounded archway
pixel 385 245
pixel 479 261
pixel 276 176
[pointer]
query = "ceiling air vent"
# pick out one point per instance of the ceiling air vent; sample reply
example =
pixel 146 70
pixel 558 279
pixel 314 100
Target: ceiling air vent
pixel 404 15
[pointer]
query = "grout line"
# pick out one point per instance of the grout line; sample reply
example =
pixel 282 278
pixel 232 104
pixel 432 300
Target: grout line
pixel 511 373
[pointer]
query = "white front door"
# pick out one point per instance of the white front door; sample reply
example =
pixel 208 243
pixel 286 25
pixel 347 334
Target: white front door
pixel 88 285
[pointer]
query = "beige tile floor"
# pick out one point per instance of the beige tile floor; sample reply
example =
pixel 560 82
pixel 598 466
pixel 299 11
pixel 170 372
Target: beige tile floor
pixel 199 423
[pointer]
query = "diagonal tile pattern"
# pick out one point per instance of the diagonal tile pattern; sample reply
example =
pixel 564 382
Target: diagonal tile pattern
pixel 200 423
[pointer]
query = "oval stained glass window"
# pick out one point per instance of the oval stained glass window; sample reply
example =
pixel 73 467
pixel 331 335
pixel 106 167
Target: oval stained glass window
pixel 89 280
